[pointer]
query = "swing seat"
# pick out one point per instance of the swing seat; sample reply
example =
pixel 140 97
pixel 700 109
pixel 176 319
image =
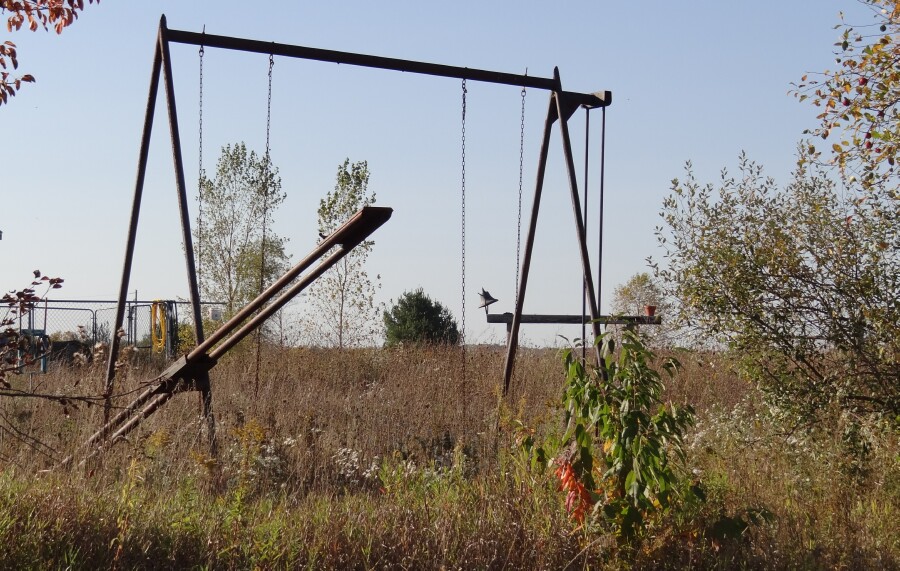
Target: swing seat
pixel 507 318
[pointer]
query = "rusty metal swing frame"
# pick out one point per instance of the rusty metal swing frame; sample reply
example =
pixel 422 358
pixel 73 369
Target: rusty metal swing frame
pixel 191 372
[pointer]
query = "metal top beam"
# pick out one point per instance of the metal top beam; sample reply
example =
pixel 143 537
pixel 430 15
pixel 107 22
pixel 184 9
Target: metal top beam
pixel 592 100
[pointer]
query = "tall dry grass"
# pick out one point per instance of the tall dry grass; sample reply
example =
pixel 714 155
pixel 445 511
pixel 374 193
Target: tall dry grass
pixel 379 458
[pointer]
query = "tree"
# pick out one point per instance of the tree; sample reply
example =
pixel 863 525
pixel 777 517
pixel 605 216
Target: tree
pixel 344 297
pixel 37 13
pixel 859 101
pixel 639 291
pixel 803 289
pixel 415 318
pixel 234 222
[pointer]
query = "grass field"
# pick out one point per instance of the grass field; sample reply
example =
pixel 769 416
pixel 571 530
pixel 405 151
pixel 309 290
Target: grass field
pixel 389 458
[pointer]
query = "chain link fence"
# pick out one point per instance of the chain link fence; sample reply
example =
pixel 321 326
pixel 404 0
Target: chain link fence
pixel 151 325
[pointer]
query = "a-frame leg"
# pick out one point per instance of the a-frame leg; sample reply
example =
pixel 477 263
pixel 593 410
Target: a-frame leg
pixel 132 231
pixel 187 238
pixel 560 108
pixel 565 110
pixel 512 338
pixel 162 64
pixel 203 385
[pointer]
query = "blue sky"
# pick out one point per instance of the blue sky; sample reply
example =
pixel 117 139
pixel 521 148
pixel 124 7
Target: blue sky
pixel 697 81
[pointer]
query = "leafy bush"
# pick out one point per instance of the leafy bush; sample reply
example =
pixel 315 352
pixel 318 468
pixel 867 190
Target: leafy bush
pixel 802 283
pixel 416 318
pixel 617 465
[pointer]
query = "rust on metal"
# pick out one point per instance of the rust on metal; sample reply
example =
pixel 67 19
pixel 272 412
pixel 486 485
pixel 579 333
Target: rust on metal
pixel 185 373
pixel 191 372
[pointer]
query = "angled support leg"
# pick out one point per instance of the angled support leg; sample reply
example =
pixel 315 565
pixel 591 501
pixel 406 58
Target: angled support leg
pixel 187 239
pixel 565 108
pixel 562 107
pixel 512 341
pixel 132 231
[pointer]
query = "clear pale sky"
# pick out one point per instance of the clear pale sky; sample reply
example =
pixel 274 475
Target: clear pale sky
pixel 697 81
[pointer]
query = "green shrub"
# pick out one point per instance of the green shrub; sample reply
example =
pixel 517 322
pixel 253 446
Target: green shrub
pixel 416 318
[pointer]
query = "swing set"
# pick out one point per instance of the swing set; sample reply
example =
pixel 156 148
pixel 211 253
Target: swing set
pixel 191 371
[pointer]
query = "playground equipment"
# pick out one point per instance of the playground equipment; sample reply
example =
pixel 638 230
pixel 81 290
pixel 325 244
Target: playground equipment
pixel 37 345
pixel 191 372
pixel 163 328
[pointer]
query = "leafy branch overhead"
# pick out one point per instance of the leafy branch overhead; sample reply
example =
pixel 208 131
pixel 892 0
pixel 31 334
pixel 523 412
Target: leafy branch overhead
pixel 859 100
pixel 32 14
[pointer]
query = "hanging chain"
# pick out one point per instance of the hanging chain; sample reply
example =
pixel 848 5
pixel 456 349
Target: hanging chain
pixel 463 178
pixel 200 177
pixel 269 107
pixel 587 170
pixel 600 224
pixel 267 166
pixel 266 179
pixel 463 186
pixel 519 220
pixel 267 163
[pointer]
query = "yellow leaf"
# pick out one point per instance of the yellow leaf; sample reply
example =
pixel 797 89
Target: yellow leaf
pixel 836 148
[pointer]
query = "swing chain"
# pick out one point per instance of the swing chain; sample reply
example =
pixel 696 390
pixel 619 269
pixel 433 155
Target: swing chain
pixel 519 220
pixel 200 177
pixel 462 335
pixel 269 106
pixel 463 184
pixel 266 178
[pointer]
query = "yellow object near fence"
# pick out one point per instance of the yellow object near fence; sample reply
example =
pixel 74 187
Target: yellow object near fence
pixel 158 326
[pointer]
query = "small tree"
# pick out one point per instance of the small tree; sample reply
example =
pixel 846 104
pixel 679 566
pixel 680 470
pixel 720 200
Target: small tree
pixel 235 207
pixel 416 318
pixel 633 296
pixel 343 299
pixel 621 458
